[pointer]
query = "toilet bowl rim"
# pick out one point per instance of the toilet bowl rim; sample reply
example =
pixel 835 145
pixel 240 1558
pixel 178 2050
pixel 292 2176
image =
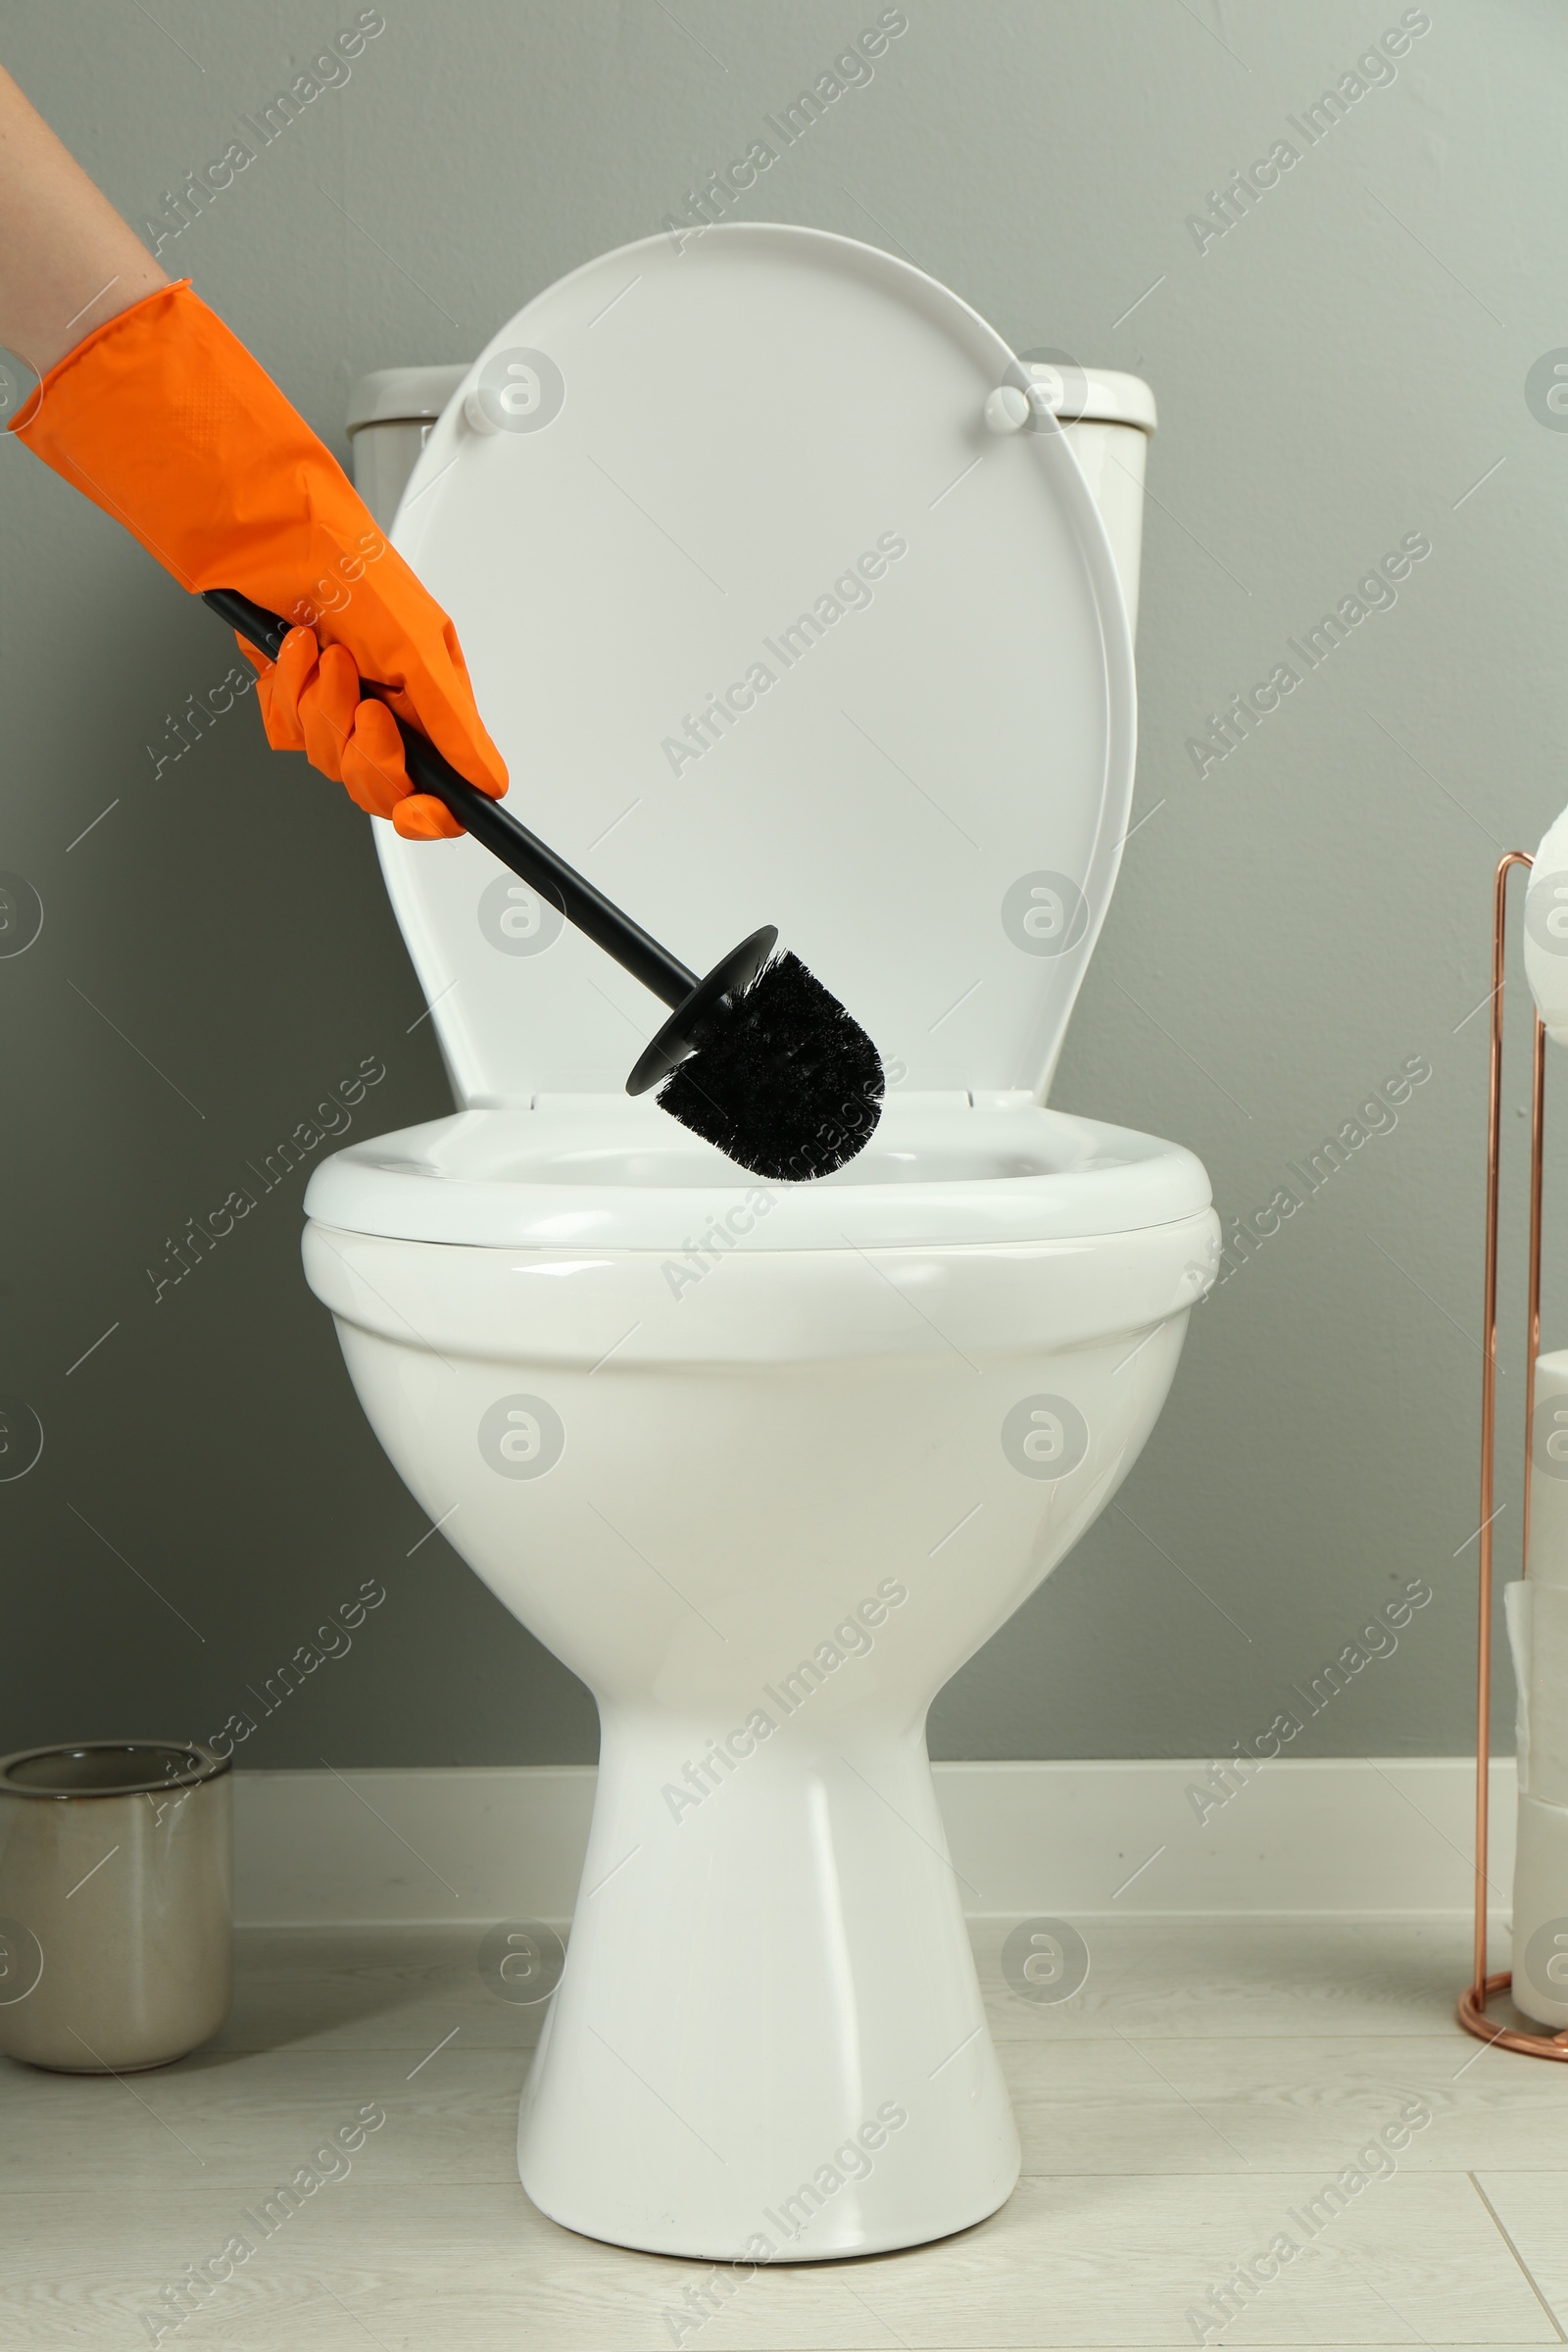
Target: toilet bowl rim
pixel 447 1181
pixel 641 1311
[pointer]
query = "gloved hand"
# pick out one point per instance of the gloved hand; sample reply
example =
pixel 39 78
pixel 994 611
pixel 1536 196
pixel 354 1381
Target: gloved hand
pixel 162 419
pixel 310 699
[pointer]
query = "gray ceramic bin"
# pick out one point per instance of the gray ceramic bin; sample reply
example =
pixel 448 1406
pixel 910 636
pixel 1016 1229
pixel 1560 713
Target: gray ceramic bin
pixel 116 1903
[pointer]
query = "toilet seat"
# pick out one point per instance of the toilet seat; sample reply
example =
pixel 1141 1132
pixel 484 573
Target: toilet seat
pixel 606 1173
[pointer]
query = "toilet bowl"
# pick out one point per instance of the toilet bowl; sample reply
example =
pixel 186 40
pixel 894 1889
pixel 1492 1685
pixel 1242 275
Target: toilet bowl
pixel 764 1464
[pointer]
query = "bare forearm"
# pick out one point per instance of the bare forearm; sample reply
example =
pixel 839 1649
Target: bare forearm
pixel 67 262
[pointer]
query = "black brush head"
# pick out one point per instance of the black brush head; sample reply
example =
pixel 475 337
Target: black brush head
pixel 783 1081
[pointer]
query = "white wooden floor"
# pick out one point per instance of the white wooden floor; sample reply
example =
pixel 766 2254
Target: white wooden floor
pixel 1202 2088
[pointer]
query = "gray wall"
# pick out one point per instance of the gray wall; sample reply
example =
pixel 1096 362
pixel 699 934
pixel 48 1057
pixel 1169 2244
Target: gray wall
pixel 1335 372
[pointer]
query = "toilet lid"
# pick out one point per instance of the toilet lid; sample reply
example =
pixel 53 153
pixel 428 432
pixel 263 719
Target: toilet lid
pixel 770 628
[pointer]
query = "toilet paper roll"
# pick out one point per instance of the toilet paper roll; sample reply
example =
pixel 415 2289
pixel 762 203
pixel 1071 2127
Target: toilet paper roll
pixel 1541 1913
pixel 1548 1471
pixel 1544 1751
pixel 1518 1610
pixel 1546 930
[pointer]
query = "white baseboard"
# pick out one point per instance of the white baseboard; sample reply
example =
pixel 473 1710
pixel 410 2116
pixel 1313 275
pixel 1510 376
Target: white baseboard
pixel 1064 1841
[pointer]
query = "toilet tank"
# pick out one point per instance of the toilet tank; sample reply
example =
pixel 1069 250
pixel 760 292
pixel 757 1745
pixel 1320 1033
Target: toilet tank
pixel 1108 418
pixel 389 421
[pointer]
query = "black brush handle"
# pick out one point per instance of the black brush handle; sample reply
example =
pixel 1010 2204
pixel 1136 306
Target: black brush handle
pixel 527 855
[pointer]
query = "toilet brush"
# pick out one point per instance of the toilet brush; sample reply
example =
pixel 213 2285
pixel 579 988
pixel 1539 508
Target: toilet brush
pixel 757 1056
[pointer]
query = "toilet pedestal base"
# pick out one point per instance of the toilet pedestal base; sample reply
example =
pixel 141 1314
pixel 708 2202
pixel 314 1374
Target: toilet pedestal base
pixel 769 2045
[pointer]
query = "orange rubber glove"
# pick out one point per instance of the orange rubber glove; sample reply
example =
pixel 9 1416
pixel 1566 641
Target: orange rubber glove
pixel 310 699
pixel 162 419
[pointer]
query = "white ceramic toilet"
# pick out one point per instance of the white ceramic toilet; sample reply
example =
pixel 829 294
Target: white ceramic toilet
pixel 779 615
